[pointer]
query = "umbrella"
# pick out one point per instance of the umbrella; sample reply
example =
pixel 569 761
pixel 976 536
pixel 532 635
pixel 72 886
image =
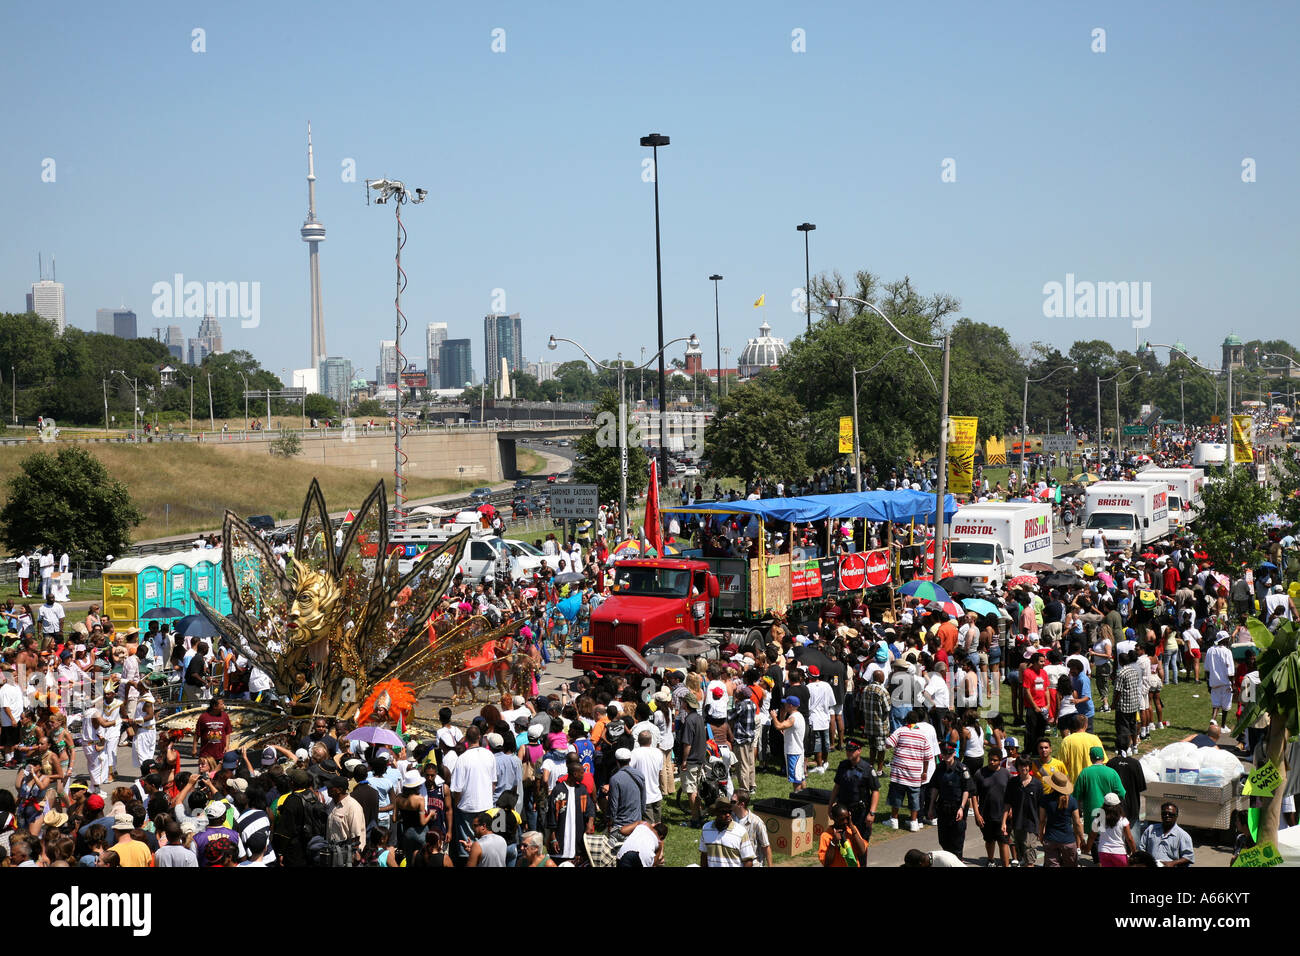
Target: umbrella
pixel 1021 580
pixel 663 661
pixel 487 509
pixel 1148 555
pixel 980 606
pixel 957 587
pixel 1085 478
pixel 1091 554
pixel 627 548
pixel 1267 564
pixel 925 590
pixel 569 577
pixel 951 608
pixel 1038 567
pixel 669 549
pixel 635 657
pixel 196 625
pixel 376 736
pixel 687 646
pixel 809 656
pixel 159 613
pixel 1072 490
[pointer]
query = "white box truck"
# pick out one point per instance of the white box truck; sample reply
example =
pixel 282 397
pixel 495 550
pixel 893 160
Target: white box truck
pixel 1129 514
pixel 1185 486
pixel 991 542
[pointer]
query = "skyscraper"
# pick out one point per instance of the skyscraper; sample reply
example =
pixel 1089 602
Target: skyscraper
pixel 503 338
pixel 386 371
pixel 104 321
pixel 210 332
pixel 434 336
pixel 455 363
pixel 124 324
pixel 198 351
pixel 336 379
pixel 176 342
pixel 46 300
pixel 313 233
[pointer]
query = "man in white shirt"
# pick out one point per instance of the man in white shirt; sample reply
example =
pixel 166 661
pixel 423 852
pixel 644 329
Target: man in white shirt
pixel 649 759
pixel 50 615
pixel 63 563
pixel 472 783
pixel 11 712
pixel 821 699
pixel 93 724
pixel 47 571
pixel 24 574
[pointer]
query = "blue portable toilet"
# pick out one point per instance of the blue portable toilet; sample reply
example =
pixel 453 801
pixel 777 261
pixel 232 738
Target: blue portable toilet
pixel 151 588
pixel 178 577
pixel 205 579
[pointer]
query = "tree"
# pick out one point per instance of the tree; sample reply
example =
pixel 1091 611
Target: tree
pixel 1287 474
pixel 758 432
pixel 1228 526
pixel 320 407
pixel 68 502
pixel 288 444
pixel 1279 685
pixel 369 408
pixel 601 460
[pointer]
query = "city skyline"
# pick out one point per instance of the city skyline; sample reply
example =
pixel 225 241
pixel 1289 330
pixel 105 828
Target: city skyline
pixel 1014 210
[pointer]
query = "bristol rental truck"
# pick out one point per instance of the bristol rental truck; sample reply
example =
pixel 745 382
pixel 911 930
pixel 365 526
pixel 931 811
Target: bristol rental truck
pixel 991 542
pixel 1129 514
pixel 1185 485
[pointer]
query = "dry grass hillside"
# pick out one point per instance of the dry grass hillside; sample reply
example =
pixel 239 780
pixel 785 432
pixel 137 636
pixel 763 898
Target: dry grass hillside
pixel 200 484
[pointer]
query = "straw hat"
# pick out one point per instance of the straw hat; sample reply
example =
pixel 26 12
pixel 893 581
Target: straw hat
pixel 1061 783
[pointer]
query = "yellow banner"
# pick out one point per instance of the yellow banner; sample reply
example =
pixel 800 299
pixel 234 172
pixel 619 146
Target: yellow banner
pixel 961 454
pixel 995 451
pixel 846 435
pixel 1242 438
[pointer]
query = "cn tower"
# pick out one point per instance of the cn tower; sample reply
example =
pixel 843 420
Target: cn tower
pixel 313 233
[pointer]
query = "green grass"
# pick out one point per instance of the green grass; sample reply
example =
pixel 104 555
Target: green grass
pixel 1186 713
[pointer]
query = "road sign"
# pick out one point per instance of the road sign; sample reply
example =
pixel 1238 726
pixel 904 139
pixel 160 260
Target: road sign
pixel 1059 443
pixel 1136 430
pixel 853 571
pixel 574 501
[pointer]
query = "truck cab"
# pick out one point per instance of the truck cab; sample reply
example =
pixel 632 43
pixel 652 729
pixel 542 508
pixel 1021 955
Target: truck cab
pixel 651 599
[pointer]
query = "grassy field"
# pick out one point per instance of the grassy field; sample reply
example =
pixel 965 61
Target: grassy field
pixel 184 487
pixel 1186 707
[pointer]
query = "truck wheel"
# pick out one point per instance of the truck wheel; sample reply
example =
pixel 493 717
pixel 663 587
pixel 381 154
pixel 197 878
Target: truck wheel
pixel 755 638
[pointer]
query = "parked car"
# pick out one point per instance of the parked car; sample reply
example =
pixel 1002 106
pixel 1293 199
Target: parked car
pixel 262 523
pixel 480 494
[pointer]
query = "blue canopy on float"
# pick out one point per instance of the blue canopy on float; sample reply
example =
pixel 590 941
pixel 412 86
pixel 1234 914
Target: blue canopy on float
pixel 896 506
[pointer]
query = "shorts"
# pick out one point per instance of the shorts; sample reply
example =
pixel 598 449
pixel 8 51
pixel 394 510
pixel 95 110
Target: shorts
pixel 837 710
pixel 10 736
pixel 995 656
pixel 795 771
pixel 1112 859
pixel 992 832
pixel 1221 697
pixel 1194 652
pixel 1144 700
pixel 692 777
pixel 821 741
pixel 900 795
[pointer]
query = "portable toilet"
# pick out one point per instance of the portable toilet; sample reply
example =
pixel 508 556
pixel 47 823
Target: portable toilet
pixel 151 587
pixel 123 591
pixel 178 578
pixel 205 578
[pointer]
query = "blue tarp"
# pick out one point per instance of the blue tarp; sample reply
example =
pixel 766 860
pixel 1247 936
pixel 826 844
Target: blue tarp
pixel 897 506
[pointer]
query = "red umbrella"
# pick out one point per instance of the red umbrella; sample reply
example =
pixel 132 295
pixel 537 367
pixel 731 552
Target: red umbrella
pixel 1149 555
pixel 487 509
pixel 949 606
pixel 1022 580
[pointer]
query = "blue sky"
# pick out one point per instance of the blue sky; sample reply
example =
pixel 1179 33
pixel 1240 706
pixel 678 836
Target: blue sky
pixel 1117 166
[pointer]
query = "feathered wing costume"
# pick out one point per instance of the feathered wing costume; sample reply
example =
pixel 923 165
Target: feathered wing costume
pixel 336 624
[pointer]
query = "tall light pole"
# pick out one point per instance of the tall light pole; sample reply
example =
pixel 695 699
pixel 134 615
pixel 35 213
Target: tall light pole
pixel 554 342
pixel 1024 409
pixel 805 228
pixel 135 387
pixel 212 418
pixel 13 381
pixel 726 351
pixel 1118 427
pixel 654 141
pixel 857 446
pixel 1100 381
pixel 394 191
pixel 105 384
pixel 245 378
pixel 717 332
pixel 941 487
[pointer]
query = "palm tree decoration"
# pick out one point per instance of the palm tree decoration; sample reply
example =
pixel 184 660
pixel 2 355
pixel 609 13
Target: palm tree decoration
pixel 1279 685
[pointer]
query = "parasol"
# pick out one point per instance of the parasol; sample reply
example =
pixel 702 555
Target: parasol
pixel 1021 580
pixel 1061 579
pixel 626 548
pixel 195 625
pixel 957 587
pixel 1038 567
pixel 159 613
pixel 951 608
pixel 376 736
pixel 925 590
pixel 980 606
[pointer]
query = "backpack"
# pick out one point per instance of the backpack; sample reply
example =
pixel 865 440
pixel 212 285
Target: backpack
pixel 315 817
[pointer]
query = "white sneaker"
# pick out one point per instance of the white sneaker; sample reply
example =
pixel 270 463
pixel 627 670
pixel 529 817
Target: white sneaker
pixel 914 825
pixel 893 823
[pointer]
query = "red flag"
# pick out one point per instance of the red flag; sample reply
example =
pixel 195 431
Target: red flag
pixel 653 532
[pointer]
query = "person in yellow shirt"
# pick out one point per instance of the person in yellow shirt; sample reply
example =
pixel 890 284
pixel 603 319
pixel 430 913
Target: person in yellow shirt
pixel 130 851
pixel 1045 764
pixel 1076 746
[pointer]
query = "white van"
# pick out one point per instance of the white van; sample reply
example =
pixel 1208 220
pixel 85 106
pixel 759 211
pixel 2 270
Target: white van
pixel 991 542
pixel 1208 453
pixel 1185 485
pixel 1129 514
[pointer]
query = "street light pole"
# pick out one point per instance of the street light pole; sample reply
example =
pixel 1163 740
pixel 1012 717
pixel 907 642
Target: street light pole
pixel 654 141
pixel 245 378
pixel 212 418
pixel 717 332
pixel 1024 409
pixel 553 343
pixel 857 447
pixel 805 228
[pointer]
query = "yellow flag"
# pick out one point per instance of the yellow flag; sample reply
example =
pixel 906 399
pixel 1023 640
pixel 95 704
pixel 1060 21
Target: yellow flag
pixel 1243 427
pixel 760 300
pixel 961 454
pixel 846 435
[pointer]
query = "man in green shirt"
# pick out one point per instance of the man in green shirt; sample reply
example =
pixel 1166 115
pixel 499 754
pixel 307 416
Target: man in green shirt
pixel 1091 787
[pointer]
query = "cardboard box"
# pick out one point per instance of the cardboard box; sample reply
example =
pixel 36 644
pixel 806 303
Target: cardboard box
pixel 789 825
pixel 1208 808
pixel 821 803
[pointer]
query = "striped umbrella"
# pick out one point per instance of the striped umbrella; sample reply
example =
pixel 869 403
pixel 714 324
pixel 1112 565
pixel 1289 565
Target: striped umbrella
pixel 627 548
pixel 926 591
pixel 950 607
